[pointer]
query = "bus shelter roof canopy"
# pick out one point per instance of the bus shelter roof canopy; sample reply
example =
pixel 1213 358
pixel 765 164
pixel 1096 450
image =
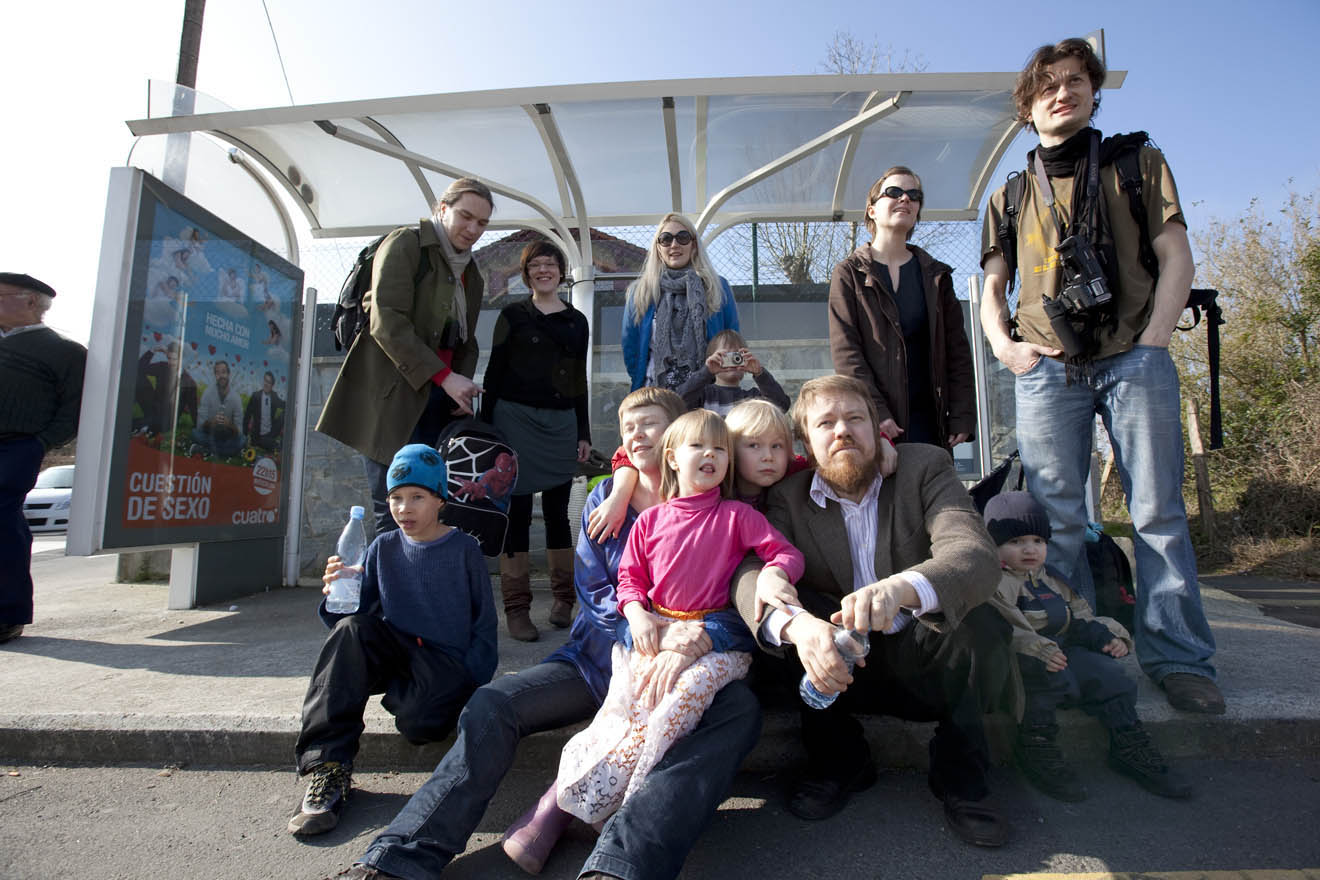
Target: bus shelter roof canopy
pixel 723 151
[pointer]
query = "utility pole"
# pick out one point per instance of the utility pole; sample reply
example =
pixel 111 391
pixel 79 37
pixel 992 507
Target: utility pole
pixel 190 47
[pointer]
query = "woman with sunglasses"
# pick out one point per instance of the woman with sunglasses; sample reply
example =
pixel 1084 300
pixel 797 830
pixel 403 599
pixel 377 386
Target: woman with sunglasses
pixel 674 309
pixel 536 394
pixel 896 325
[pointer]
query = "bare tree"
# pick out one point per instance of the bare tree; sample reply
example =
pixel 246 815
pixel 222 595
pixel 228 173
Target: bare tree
pixel 799 249
pixel 847 53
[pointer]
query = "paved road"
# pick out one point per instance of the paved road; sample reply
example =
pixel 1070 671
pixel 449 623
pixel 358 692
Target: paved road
pixel 135 822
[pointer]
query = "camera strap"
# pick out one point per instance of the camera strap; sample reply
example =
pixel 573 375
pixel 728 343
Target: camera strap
pixel 1092 186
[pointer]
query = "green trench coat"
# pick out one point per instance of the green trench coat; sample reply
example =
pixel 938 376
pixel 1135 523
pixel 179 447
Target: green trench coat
pixel 385 380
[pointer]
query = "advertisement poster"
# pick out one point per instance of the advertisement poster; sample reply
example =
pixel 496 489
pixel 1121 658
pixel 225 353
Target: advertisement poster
pixel 209 348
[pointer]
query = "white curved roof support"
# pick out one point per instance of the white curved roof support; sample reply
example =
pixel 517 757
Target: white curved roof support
pixel 671 150
pixel 989 163
pixel 699 148
pixel 286 222
pixel 815 145
pixel 533 112
pixel 422 183
pixel 276 172
pixel 404 155
pixel 846 163
pixel 562 164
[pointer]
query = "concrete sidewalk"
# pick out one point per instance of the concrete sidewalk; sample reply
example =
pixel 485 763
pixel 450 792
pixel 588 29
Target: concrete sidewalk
pixel 107 675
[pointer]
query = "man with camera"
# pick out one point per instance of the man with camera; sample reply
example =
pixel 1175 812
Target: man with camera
pixel 1104 279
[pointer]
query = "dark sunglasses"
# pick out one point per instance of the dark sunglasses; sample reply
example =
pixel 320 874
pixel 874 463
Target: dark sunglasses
pixel 667 238
pixel 897 192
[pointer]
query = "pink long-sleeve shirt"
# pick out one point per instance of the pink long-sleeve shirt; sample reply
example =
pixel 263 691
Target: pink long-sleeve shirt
pixel 682 554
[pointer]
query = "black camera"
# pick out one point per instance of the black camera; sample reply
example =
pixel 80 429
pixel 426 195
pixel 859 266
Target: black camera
pixel 1085 298
pixel 1085 287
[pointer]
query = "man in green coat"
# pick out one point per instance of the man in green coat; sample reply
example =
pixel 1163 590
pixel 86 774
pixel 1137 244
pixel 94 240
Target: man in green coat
pixel 409 373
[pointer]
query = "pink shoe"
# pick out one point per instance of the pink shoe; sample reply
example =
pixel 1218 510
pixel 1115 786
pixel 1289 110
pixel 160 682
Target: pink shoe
pixel 530 839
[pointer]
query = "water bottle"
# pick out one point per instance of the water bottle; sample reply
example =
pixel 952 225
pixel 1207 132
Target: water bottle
pixel 852 646
pixel 346 590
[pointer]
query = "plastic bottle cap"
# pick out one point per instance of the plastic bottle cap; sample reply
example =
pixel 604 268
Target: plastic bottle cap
pixel 357 511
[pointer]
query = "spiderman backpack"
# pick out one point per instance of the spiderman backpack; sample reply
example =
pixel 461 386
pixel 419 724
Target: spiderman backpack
pixel 483 469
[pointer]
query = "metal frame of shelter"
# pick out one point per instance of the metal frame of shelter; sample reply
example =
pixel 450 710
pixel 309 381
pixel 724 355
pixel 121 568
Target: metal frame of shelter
pixel 564 159
pixel 799 148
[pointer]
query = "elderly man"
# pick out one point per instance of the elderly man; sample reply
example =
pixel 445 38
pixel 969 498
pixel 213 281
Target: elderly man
pixel 41 377
pixel 651 834
pixel 907 559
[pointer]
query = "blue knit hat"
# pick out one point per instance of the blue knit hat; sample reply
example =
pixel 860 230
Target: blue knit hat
pixel 418 465
pixel 1012 515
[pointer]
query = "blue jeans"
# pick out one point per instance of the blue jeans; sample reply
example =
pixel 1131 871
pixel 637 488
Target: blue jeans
pixel 1136 395
pixel 223 445
pixel 649 837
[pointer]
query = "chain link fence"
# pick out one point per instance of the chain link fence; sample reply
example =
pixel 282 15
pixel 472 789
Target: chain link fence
pixel 779 273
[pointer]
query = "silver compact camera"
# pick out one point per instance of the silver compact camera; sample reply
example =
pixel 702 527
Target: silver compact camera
pixel 731 359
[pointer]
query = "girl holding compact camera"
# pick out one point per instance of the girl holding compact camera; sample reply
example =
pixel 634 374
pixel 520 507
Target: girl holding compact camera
pixel 674 309
pixel 896 325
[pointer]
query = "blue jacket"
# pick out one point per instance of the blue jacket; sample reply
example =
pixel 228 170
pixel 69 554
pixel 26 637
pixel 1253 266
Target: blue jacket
pixel 637 337
pixel 599 624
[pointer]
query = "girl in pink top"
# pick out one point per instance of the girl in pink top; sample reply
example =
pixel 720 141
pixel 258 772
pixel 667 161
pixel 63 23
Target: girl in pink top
pixel 678 563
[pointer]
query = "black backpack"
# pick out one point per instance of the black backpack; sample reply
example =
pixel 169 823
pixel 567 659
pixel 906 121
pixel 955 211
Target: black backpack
pixel 1126 156
pixel 482 470
pixel 350 317
pixel 1112 574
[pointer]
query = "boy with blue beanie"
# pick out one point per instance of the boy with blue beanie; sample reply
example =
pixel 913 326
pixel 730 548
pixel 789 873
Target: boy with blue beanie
pixel 1067 657
pixel 424 635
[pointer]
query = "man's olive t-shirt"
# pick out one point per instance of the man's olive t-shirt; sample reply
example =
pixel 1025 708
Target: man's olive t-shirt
pixel 1038 264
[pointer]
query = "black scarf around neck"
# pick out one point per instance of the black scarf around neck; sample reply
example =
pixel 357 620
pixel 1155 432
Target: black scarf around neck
pixel 1065 159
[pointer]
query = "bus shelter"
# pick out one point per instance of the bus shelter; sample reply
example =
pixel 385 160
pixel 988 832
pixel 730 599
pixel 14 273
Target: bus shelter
pixel 563 160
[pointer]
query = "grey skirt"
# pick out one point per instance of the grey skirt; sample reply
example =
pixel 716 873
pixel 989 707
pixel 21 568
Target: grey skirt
pixel 546 443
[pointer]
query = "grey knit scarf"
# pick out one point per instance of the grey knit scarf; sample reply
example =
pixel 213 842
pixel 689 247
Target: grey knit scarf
pixel 678 336
pixel 458 261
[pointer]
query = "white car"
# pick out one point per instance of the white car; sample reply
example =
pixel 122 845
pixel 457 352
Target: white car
pixel 46 507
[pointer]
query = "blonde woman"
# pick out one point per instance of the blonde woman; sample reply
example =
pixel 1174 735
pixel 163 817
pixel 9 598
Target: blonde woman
pixel 674 308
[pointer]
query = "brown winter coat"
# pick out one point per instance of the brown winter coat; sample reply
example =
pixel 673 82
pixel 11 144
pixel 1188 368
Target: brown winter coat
pixel 866 341
pixel 385 380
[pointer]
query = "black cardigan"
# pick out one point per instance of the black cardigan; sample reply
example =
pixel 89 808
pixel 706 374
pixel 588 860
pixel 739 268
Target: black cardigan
pixel 539 360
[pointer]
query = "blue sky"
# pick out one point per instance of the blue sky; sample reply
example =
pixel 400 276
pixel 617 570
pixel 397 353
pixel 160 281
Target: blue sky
pixel 1228 90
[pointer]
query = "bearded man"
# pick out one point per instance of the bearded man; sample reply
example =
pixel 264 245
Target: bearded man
pixel 907 559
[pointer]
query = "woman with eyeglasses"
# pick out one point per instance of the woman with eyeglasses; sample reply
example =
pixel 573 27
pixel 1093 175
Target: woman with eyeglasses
pixel 896 325
pixel 536 394
pixel 674 309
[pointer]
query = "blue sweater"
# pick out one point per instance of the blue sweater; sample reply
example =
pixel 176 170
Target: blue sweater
pixel 439 592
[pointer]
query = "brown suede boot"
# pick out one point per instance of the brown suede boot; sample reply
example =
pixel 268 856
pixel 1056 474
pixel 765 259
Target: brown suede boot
pixel 516 586
pixel 561 587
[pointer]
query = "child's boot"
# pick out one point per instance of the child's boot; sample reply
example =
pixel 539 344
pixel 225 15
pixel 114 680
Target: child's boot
pixel 1036 751
pixel 529 840
pixel 561 587
pixel 516 587
pixel 1133 754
